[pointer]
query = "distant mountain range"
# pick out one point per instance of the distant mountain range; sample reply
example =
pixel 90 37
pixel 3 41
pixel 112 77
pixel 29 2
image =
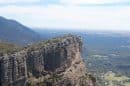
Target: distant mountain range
pixel 14 32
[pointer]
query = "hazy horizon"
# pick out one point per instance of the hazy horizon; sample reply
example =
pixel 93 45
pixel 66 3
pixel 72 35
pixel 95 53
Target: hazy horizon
pixel 104 15
pixel 80 29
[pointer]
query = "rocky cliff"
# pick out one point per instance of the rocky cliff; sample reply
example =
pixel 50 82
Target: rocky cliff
pixel 13 70
pixel 55 62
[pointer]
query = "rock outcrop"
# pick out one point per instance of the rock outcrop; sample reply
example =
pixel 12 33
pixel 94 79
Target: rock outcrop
pixel 13 70
pixel 56 62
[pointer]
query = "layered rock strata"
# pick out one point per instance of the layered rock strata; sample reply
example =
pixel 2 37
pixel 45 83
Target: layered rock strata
pixel 55 62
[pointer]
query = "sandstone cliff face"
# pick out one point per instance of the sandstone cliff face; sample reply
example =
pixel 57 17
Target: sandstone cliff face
pixel 55 62
pixel 13 71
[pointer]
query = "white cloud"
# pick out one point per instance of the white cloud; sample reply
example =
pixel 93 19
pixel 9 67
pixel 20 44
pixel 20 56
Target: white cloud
pixel 58 16
pixel 17 1
pixel 76 2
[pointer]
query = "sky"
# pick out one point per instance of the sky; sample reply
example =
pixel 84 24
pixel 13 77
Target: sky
pixel 69 14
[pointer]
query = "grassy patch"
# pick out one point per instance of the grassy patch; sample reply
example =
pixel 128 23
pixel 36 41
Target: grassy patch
pixel 113 77
pixel 127 84
pixel 8 48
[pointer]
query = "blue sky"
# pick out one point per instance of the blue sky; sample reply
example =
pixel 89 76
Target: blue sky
pixel 75 14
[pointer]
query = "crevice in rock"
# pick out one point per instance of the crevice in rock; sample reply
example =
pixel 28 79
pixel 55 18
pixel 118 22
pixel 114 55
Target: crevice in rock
pixel 0 74
pixel 52 60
